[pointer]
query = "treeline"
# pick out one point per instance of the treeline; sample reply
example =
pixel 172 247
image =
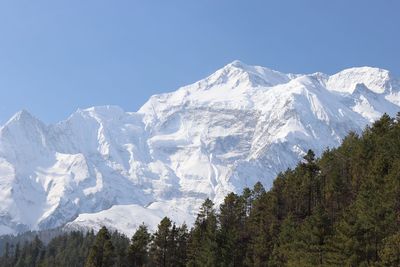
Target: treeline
pixel 340 210
pixel 45 236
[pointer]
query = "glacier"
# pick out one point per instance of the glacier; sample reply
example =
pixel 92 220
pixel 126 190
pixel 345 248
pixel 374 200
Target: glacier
pixel 240 125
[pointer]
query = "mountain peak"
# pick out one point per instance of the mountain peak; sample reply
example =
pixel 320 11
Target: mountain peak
pixel 239 73
pixel 237 64
pixel 22 116
pixel 105 112
pixel 105 108
pixel 375 79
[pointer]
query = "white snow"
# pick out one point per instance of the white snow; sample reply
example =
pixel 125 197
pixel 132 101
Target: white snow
pixel 127 218
pixel 375 79
pixel 242 124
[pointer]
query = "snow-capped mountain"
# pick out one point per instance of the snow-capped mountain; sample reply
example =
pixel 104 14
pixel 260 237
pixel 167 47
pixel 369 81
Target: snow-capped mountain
pixel 242 124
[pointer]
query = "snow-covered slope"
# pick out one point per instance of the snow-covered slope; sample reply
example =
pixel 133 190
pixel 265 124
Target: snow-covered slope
pixel 242 124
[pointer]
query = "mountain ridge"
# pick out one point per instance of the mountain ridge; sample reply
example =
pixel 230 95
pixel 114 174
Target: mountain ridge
pixel 239 125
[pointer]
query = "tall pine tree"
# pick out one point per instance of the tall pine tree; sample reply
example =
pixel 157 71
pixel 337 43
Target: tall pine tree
pixel 102 253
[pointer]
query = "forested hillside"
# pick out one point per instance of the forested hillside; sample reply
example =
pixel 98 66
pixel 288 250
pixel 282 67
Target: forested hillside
pixel 340 210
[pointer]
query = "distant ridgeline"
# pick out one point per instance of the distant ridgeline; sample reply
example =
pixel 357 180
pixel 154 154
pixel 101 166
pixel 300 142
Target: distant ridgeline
pixel 340 210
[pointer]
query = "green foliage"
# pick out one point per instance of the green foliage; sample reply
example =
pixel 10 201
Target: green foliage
pixel 138 249
pixel 231 234
pixel 102 253
pixel 161 245
pixel 390 250
pixel 202 249
pixel 168 245
pixel 181 246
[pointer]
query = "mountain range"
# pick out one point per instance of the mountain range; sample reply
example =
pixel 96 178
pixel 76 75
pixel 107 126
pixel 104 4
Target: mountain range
pixel 240 125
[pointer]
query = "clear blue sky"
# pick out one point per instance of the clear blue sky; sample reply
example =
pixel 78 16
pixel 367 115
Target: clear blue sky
pixel 56 56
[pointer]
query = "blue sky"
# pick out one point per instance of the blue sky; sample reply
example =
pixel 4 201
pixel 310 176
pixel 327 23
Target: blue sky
pixel 57 56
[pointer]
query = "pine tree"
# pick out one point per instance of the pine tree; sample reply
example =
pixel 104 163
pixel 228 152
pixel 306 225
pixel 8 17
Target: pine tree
pixel 230 243
pixel 390 251
pixel 138 250
pixel 160 246
pixel 311 186
pixel 6 259
pixel 181 243
pixel 261 226
pixel 102 253
pixel 309 244
pixel 258 191
pixel 203 246
pixel 360 233
pixel 247 200
pixel 17 254
pixel 121 245
pixel 36 251
pixel 172 244
pixel 284 246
